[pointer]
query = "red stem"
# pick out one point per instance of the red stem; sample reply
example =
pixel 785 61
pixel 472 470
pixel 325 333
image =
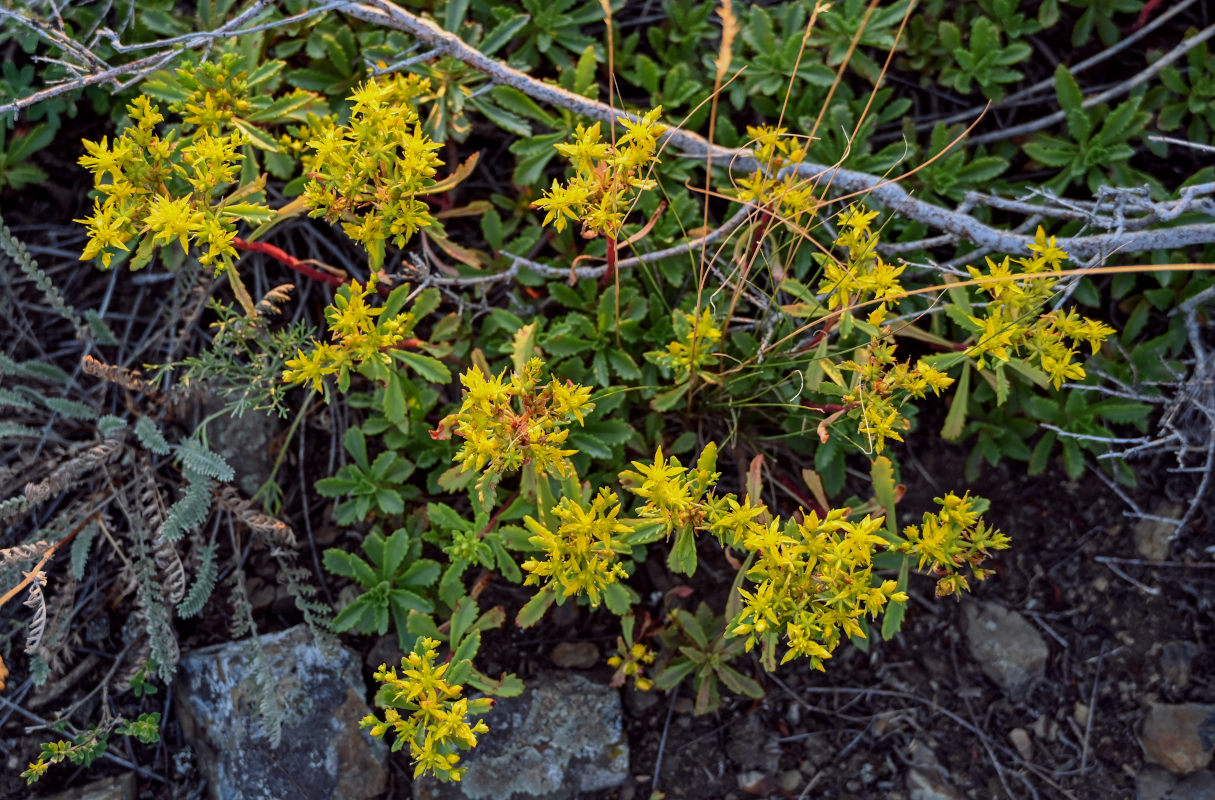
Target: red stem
pixel 286 259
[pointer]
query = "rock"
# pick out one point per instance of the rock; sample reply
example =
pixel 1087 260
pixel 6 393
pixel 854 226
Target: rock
pixel 1020 740
pixel 753 782
pixel 638 701
pixel 1154 783
pixel 1152 536
pixel 1080 714
pixel 1176 661
pixel 562 738
pixel 1010 650
pixel 1199 786
pixel 244 442
pixel 575 655
pixel 927 780
pixel 789 780
pixel 1180 738
pixel 929 786
pixel 321 695
pixel 751 746
pixel 121 787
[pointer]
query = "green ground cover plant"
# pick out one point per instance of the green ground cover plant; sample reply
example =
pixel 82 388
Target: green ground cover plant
pixel 676 334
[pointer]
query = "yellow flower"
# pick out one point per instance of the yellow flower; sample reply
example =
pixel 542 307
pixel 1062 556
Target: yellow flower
pixel 170 219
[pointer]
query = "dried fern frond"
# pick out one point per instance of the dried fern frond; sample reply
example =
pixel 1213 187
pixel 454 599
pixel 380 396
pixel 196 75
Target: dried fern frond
pixel 271 530
pixel 62 477
pixel 23 552
pixel 151 506
pixel 131 379
pixel 278 296
pixel 36 601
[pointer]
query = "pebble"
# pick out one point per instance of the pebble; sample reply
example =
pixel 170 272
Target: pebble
pixel 1080 714
pixel 1176 661
pixel 1009 649
pixel 753 782
pixel 1020 740
pixel 1180 738
pixel 789 780
pixel 1153 537
pixel 575 655
pixel 929 786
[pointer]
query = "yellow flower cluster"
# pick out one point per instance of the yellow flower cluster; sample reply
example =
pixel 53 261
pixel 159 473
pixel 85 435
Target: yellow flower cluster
pixel 509 423
pixel 361 334
pixel 372 172
pixel 813 584
pixel 692 351
pixel 775 185
pixel 885 385
pixel 436 722
pixel 952 539
pixel 677 498
pixel 1005 330
pixel 606 176
pixel 630 662
pixel 865 276
pixel 162 189
pixel 582 555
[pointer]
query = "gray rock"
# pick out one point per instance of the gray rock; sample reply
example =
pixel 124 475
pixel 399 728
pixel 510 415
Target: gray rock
pixel 751 746
pixel 1154 783
pixel 927 780
pixel 1009 649
pixel 1153 537
pixel 1181 738
pixel 321 695
pixel 561 738
pixel 1177 661
pixel 929 786
pixel 1199 786
pixel 244 442
pixel 575 655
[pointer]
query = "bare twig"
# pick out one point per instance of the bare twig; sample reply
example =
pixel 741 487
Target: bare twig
pixel 849 183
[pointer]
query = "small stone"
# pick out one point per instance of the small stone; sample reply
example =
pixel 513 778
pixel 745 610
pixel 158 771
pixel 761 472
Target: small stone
pixel 753 782
pixel 562 738
pixel 1080 714
pixel 1154 783
pixel 638 701
pixel 1039 727
pixel 1180 738
pixel 121 787
pixel 1009 649
pixel 320 695
pixel 1199 786
pixel 789 780
pixel 1152 536
pixel 751 745
pixel 575 655
pixel 1101 583
pixel 1020 740
pixel 868 773
pixel 1176 661
pixel 929 786
pixel 683 705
